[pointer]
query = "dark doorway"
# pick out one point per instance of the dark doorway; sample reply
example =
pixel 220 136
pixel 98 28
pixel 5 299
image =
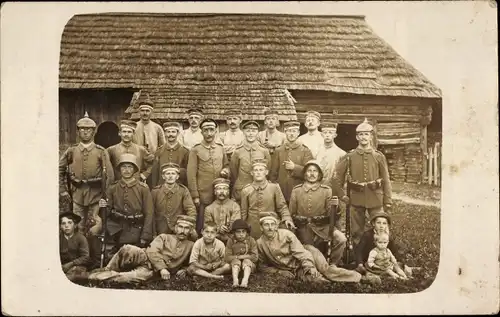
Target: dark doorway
pixel 346 137
pixel 107 134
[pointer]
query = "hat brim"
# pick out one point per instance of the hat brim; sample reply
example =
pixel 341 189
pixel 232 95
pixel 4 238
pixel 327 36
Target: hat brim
pixel 70 215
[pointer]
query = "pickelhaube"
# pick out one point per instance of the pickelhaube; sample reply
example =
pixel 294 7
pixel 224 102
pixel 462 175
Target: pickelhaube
pixel 86 122
pixel 364 127
pixel 128 158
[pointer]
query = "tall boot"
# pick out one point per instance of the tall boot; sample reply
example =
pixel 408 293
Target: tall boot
pixel 95 251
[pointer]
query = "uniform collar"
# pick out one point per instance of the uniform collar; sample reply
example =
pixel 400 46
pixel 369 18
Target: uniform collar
pixel 292 146
pixel 249 147
pixel 361 151
pixel 222 202
pixel 170 190
pixel 261 186
pixel 131 184
pixel 88 148
pixel 172 148
pixel 125 145
pixel 208 146
pixel 307 186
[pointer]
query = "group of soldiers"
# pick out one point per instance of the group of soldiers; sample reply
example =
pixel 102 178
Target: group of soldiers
pixel 159 186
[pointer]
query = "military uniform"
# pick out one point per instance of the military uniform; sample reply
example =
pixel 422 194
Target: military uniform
pixel 148 134
pixel 241 165
pixel 205 164
pixel 143 156
pixel 299 154
pixel 309 208
pixel 257 198
pixel 271 140
pixel 177 154
pixel 222 213
pixel 169 203
pixel 368 176
pixel 86 171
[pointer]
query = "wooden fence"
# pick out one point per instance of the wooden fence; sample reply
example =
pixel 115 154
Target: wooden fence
pixel 433 166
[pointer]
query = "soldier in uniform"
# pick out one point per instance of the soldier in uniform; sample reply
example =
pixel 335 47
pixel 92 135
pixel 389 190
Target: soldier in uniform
pixel 144 157
pixel 329 153
pixel 244 155
pixel 233 137
pixel 130 213
pixel 365 169
pixel 260 196
pixel 289 159
pixel 313 138
pixel 170 200
pixel 271 138
pixel 223 211
pixel 84 163
pixel 207 161
pixel 309 206
pixel 148 133
pixel 172 152
pixel 192 135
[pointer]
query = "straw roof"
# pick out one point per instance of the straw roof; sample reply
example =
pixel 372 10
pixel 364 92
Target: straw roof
pixel 173 53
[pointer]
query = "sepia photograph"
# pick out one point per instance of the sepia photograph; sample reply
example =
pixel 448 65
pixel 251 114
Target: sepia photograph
pixel 256 152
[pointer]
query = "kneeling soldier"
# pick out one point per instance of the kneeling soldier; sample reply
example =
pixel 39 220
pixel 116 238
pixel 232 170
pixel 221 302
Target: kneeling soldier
pixel 130 215
pixel 309 206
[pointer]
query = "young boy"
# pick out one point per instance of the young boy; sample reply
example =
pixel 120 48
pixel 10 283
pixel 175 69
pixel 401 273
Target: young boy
pixel 223 211
pixel 207 256
pixel 381 261
pixel 73 247
pixel 241 252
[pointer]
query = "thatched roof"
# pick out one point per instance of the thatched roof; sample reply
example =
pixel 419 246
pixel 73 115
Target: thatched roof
pixel 236 51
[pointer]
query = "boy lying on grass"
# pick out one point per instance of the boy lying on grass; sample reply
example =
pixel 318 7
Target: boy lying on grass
pixel 207 256
pixel 241 252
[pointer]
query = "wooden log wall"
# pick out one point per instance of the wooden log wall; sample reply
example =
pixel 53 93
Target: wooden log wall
pixel 400 124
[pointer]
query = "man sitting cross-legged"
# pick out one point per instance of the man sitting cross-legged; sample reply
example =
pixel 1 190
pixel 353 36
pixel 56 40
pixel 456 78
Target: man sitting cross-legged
pixel 208 255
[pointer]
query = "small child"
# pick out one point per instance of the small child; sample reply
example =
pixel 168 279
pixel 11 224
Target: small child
pixel 381 261
pixel 207 255
pixel 241 252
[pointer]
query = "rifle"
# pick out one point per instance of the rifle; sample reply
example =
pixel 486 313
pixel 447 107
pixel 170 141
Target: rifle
pixel 104 214
pixel 69 160
pixel 331 228
pixel 349 246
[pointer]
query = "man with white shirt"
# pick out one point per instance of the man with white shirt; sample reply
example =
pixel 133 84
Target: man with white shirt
pixel 148 133
pixel 313 138
pixel 192 135
pixel 233 137
pixel 329 153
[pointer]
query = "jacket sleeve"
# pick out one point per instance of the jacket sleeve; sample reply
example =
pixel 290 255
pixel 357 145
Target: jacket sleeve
pixel 155 172
pixel 293 202
pixel 209 215
pixel 161 136
pixel 188 205
pixel 386 182
pixel 154 253
pixel 63 165
pixel 110 172
pixel 338 180
pixel 244 203
pixel 225 163
pixel 192 171
pixel 235 213
pixel 229 251
pixel 275 167
pixel 147 163
pixel 83 252
pixel 148 211
pixel 300 253
pixel 254 253
pixel 297 170
pixel 183 167
pixel 234 165
pixel 371 258
pixel 280 204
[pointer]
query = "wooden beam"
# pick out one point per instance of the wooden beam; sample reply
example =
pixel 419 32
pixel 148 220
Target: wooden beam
pixel 423 146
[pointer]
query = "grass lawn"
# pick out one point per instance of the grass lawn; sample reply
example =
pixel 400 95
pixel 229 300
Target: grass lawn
pixel 417 227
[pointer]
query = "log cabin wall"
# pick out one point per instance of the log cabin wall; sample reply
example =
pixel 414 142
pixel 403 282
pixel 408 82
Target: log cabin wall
pixel 400 124
pixel 101 105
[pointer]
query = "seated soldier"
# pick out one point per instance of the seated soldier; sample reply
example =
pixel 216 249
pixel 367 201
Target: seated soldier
pixel 281 252
pixel 130 212
pixel 167 254
pixel 208 255
pixel 73 247
pixel 171 199
pixel 223 211
pixel 310 204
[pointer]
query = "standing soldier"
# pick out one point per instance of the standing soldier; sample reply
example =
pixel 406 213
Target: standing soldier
pixel 130 204
pixel 144 157
pixel 271 138
pixel 244 155
pixel 234 136
pixel 289 160
pixel 83 165
pixel 329 153
pixel 262 196
pixel 365 170
pixel 172 152
pixel 148 133
pixel 313 138
pixel 207 161
pixel 171 200
pixel 310 206
pixel 192 135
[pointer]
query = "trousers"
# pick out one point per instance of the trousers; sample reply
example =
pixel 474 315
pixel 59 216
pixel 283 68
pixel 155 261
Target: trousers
pixel 91 221
pixel 360 221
